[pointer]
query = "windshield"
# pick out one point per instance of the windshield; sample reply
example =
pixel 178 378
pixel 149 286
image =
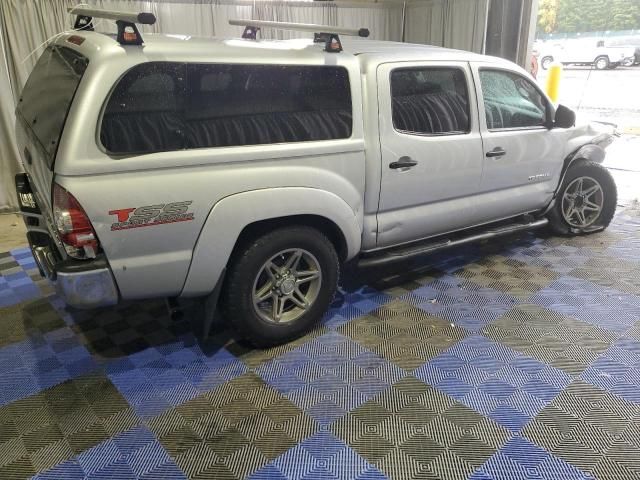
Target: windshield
pixel 48 94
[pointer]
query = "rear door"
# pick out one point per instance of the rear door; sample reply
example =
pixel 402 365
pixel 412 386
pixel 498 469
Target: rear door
pixel 523 158
pixel 431 149
pixel 42 112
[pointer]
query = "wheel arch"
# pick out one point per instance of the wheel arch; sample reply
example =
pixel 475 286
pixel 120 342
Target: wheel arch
pixel 237 218
pixel 327 226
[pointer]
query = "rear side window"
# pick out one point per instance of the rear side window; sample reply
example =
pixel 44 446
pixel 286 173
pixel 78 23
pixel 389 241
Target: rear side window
pixel 48 93
pixel 430 100
pixel 145 111
pixel 511 101
pixel 162 106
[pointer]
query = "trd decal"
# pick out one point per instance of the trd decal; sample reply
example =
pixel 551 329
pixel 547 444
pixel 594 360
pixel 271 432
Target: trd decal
pixel 150 215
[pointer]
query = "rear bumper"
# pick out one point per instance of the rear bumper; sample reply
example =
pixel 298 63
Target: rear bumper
pixel 81 284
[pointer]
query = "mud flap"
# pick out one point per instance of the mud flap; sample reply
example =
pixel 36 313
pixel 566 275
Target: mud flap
pixel 207 312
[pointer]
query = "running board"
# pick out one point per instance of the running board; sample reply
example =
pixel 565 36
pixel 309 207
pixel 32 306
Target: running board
pixel 386 257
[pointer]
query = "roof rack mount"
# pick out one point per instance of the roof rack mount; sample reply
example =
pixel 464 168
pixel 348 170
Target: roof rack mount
pixel 128 33
pixel 327 34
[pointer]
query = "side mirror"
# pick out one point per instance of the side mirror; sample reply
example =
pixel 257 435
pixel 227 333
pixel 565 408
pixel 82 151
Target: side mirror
pixel 565 117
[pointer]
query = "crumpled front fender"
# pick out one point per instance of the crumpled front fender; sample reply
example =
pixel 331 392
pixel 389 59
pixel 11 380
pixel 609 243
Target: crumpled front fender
pixel 589 144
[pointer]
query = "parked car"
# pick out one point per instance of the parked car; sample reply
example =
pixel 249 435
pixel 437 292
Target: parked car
pixel 631 43
pixel 251 170
pixel 585 52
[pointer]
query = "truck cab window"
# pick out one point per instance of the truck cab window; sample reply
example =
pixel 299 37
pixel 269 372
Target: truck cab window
pixel 511 101
pixel 430 100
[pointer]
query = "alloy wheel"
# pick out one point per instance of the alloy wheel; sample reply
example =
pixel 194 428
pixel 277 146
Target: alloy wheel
pixel 582 202
pixel 287 285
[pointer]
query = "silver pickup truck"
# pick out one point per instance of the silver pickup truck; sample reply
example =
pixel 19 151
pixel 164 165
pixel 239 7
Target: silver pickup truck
pixel 245 172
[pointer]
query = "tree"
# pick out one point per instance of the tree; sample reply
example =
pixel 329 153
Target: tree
pixel 547 16
pixel 588 15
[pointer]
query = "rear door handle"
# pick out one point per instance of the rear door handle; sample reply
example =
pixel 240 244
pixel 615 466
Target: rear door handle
pixel 496 152
pixel 403 162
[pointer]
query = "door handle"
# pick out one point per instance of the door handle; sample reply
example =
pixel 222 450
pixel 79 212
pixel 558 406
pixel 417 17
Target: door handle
pixel 496 152
pixel 403 162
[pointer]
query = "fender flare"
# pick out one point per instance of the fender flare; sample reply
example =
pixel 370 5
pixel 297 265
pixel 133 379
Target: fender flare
pixel 232 214
pixel 590 152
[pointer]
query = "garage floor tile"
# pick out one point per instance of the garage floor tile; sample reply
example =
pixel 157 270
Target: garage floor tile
pixel 515 358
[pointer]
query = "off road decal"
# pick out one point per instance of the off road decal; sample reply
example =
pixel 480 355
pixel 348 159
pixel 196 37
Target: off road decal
pixel 151 215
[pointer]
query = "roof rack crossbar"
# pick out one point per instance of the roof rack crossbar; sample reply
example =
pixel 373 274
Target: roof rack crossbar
pixel 327 34
pixel 128 33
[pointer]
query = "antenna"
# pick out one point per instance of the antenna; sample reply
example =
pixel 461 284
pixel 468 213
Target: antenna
pixel 322 33
pixel 128 33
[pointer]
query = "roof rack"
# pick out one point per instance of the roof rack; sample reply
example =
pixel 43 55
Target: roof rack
pixel 322 33
pixel 128 33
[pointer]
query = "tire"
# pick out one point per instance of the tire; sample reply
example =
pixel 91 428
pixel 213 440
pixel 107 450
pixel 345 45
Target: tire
pixel 601 62
pixel 545 62
pixel 565 221
pixel 248 273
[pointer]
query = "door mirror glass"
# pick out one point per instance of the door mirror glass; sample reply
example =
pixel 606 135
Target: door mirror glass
pixel 565 117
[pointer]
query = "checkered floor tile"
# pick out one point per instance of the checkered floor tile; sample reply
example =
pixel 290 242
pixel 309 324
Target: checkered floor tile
pixel 603 307
pixel 494 380
pixel 406 335
pixel 329 376
pixel 517 358
pixel 461 302
pixel 413 430
pixel 590 428
pixel 550 337
pixel 508 275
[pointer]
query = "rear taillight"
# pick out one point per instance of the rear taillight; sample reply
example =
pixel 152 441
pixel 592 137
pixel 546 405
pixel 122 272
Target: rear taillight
pixel 73 225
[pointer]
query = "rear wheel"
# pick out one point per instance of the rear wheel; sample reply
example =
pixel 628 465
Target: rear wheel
pixel 586 201
pixel 602 62
pixel 545 62
pixel 280 285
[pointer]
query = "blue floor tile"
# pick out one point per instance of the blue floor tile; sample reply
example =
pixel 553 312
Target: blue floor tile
pixel 156 379
pixel 494 380
pixel 603 307
pixel 520 459
pixel 617 370
pixel 321 456
pixel 329 376
pixel 461 302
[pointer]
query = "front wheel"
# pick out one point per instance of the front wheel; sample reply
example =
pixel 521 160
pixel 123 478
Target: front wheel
pixel 586 201
pixel 280 285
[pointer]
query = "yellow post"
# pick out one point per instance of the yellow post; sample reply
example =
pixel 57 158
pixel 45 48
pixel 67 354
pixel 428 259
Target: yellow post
pixel 553 81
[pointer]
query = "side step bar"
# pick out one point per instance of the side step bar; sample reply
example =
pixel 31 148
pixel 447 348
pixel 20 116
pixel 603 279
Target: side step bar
pixel 386 257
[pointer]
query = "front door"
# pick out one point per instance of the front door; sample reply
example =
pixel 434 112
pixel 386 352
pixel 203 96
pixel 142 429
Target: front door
pixel 523 158
pixel 431 150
